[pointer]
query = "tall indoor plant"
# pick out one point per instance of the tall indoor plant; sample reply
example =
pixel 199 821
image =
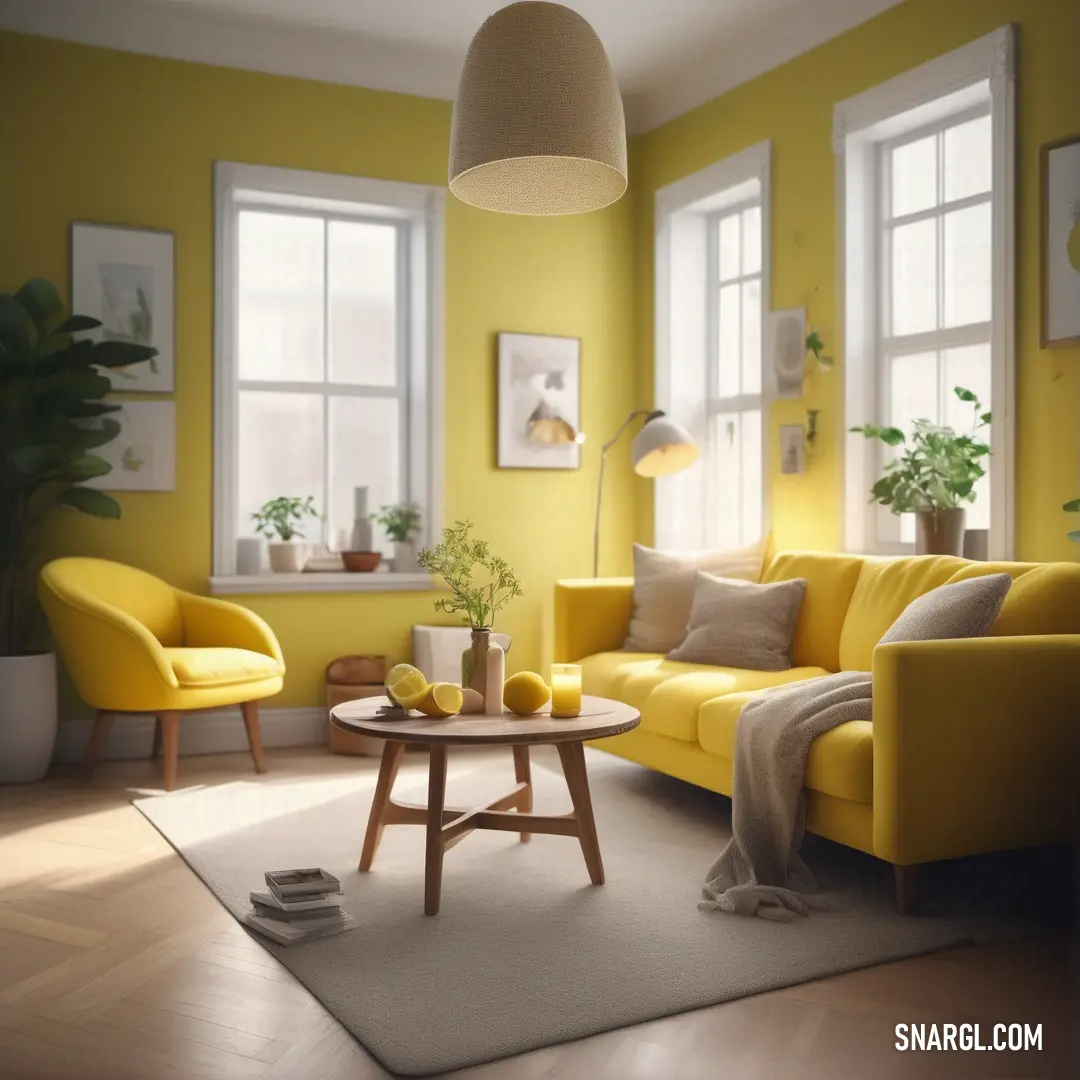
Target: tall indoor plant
pixel 480 584
pixel 52 418
pixel 932 476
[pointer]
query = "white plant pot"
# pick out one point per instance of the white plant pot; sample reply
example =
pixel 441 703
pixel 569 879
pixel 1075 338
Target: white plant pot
pixel 405 557
pixel 27 716
pixel 287 556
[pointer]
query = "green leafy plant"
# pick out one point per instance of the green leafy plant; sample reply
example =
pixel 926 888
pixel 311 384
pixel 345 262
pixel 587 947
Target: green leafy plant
pixel 1073 507
pixel 936 469
pixel 816 345
pixel 282 516
pixel 52 416
pixel 480 583
pixel 400 521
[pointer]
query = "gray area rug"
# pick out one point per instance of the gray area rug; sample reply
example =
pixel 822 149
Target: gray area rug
pixel 525 951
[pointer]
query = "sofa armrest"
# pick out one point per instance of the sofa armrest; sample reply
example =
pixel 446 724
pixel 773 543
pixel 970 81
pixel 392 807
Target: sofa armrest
pixel 592 615
pixel 210 623
pixel 975 745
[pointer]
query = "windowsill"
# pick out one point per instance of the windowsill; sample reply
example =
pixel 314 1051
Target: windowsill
pixel 332 581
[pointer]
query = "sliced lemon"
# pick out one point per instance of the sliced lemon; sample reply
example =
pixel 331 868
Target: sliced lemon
pixel 441 699
pixel 525 693
pixel 406 685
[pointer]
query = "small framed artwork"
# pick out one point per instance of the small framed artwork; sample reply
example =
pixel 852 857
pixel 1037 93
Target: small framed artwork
pixel 1061 243
pixel 143 455
pixel 539 402
pixel 785 350
pixel 792 449
pixel 125 278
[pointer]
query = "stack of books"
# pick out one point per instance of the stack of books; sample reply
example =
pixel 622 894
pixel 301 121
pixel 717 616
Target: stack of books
pixel 298 905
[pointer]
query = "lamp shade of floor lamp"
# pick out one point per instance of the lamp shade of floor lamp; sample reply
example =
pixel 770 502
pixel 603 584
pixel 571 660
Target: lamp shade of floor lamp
pixel 662 446
pixel 538 125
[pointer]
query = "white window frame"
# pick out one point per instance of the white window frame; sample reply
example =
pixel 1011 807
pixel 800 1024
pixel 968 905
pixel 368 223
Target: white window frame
pixel 978 77
pixel 686 320
pixel 351 198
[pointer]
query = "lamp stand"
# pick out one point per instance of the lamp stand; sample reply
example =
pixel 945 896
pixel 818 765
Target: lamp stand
pixel 650 414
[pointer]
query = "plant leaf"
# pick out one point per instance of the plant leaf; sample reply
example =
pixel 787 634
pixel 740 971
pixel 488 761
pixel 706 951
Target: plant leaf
pixel 1072 506
pixel 964 395
pixel 92 437
pixel 91 501
pixel 1075 535
pixel 40 300
pixel 73 324
pixel 86 467
pixel 111 354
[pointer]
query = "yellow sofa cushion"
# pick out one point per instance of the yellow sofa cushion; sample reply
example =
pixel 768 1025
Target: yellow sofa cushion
pixel 220 666
pixel 830 581
pixel 840 762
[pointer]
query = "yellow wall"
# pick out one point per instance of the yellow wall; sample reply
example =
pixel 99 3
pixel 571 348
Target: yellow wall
pixel 107 136
pixel 792 106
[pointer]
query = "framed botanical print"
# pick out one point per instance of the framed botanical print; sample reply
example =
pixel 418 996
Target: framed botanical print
pixel 125 278
pixel 1061 243
pixel 143 454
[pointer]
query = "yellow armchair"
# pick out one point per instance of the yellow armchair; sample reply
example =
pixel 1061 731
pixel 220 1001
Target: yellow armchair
pixel 133 643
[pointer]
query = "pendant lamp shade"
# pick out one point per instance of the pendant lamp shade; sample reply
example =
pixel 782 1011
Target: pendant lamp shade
pixel 538 124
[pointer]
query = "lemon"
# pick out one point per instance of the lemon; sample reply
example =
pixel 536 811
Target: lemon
pixel 525 693
pixel 406 685
pixel 441 699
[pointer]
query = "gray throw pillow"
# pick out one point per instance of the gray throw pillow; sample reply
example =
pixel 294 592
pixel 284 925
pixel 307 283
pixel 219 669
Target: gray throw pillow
pixel 960 610
pixel 742 625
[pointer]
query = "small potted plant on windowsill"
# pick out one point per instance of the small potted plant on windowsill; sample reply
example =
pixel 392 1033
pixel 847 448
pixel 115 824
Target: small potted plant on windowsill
pixel 282 517
pixel 401 524
pixel 933 476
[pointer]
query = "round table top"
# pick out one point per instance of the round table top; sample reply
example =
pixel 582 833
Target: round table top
pixel 598 718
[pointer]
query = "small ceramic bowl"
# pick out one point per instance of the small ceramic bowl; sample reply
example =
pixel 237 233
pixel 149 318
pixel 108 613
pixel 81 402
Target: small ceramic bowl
pixel 361 561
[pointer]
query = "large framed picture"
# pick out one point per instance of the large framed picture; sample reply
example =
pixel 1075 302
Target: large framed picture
pixel 124 278
pixel 143 454
pixel 1061 243
pixel 539 402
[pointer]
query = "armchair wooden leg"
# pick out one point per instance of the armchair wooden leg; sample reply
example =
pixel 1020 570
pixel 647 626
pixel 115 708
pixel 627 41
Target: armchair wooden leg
pixel 907 889
pixel 102 723
pixel 250 711
pixel 170 739
pixel 155 749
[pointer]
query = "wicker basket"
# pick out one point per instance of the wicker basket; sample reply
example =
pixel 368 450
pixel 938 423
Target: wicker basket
pixel 349 678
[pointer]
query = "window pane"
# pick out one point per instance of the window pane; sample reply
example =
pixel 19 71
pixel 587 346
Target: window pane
pixel 280 294
pixel 729 247
pixel 752 486
pixel 751 336
pixel 914 277
pixel 914 176
pixel 281 452
pixel 751 238
pixel 913 389
pixel 363 323
pixel 967 159
pixel 736 483
pixel 969 367
pixel 365 450
pixel 730 335
pixel 967 265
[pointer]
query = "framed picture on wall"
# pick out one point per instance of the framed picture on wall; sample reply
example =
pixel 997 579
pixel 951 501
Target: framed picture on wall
pixel 125 278
pixel 539 402
pixel 143 454
pixel 1061 243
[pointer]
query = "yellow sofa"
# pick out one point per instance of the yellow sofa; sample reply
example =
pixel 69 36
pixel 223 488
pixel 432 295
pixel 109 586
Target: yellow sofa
pixel 133 643
pixel 974 743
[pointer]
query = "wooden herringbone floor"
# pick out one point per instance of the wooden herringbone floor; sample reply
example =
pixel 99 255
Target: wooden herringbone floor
pixel 117 963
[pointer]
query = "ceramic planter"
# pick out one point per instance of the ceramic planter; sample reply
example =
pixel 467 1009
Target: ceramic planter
pixel 483 669
pixel 287 556
pixel 405 557
pixel 28 713
pixel 939 532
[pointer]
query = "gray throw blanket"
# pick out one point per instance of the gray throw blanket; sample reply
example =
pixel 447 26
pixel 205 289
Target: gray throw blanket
pixel 760 871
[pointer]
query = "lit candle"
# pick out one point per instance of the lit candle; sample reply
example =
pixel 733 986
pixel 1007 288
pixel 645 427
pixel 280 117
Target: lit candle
pixel 565 690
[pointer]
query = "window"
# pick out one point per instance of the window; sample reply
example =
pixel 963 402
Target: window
pixel 327 355
pixel 928 267
pixel 712 287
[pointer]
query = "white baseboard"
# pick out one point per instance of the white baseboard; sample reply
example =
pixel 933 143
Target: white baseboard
pixel 216 731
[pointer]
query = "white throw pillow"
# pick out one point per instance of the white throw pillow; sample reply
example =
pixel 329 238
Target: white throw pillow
pixel 664 590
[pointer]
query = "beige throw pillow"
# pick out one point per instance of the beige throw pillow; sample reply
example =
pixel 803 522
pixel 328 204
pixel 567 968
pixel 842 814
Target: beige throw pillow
pixel 664 590
pixel 960 610
pixel 741 625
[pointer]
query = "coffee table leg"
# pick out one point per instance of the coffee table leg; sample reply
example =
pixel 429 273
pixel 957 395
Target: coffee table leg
pixel 435 848
pixel 523 775
pixel 391 759
pixel 572 755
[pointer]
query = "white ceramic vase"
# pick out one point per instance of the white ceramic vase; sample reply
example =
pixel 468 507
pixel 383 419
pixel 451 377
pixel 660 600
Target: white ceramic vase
pixel 287 556
pixel 405 557
pixel 28 713
pixel 249 555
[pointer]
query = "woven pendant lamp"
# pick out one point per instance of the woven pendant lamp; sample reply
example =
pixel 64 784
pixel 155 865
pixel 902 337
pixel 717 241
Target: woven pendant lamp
pixel 538 122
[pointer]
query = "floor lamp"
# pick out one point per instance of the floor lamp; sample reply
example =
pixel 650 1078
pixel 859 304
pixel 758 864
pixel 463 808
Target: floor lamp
pixel 660 448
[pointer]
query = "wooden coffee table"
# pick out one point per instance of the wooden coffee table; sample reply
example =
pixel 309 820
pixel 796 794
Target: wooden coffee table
pixel 446 825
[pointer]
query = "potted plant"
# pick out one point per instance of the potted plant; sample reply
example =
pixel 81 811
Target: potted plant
pixel 401 523
pixel 480 584
pixel 282 517
pixel 52 418
pixel 932 476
